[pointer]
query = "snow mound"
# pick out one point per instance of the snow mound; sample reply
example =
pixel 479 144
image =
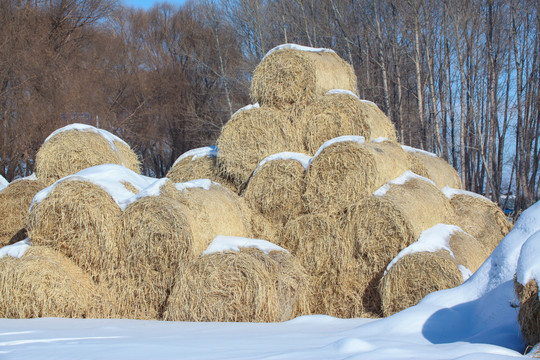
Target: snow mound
pixel 16 250
pixel 297 47
pixel 400 180
pixel 528 267
pixel 207 151
pixel 223 243
pixel 88 128
pixel 301 158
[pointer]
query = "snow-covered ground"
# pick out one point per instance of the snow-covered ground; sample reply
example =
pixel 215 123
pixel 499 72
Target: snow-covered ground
pixel 476 320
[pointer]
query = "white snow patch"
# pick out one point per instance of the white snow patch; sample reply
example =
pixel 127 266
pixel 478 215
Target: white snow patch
pixel 207 151
pixel 466 273
pixel 199 183
pixel 31 177
pixel 431 240
pixel 109 177
pixel 352 138
pixel 342 92
pixel 111 138
pixel 297 47
pixel 16 250
pixel 414 150
pixel 400 180
pixel 451 192
pixel 379 140
pixel 223 243
pixel 301 158
pixel 3 183
pixel 528 267
pixel 246 108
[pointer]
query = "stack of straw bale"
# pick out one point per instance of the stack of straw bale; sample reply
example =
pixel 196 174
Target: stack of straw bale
pixel 76 147
pixel 15 201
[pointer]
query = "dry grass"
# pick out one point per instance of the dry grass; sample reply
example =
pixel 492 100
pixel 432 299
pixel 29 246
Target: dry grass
pixel 155 238
pixel 247 285
pixel 318 243
pixel 380 125
pixel 416 275
pixel 202 167
pixel 15 200
pixel 72 151
pixel 288 77
pixel 78 219
pixel 381 226
pixel 437 170
pixel 468 251
pixel 529 311
pixel 249 137
pixel 481 218
pixel 330 116
pixel 276 190
pixel 346 172
pixel 211 212
pixel 45 283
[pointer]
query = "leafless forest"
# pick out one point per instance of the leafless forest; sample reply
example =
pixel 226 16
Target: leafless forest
pixel 458 78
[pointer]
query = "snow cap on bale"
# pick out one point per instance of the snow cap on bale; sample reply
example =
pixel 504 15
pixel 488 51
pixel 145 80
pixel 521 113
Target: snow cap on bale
pixel 292 74
pixel 276 187
pixel 40 282
pixel 250 136
pixel 15 201
pixel 239 279
pixel 526 286
pixel 440 254
pixel 78 215
pixel 433 167
pixel 318 243
pixel 390 220
pixel 200 163
pixel 347 169
pixel 3 183
pixel 76 147
pixel 478 216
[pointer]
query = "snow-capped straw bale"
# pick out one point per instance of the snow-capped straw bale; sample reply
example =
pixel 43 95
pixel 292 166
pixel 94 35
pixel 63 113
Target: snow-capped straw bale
pixel 211 210
pixel 291 74
pixel 249 137
pixel 330 116
pixel 391 219
pixel 200 163
pixel 276 187
pixel 244 280
pixel 318 243
pixel 479 217
pixel 76 147
pixel 414 276
pixel 346 169
pixel 78 215
pixel 380 125
pixel 434 168
pixel 526 287
pixel 15 201
pixel 45 283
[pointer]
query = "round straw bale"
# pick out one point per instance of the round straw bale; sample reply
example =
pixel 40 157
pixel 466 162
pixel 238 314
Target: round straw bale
pixel 345 172
pixel 380 125
pixel 246 285
pixel 249 137
pixel 15 201
pixel 529 311
pixel 390 220
pixel 155 237
pixel 416 275
pixel 330 116
pixel 317 241
pixel 45 283
pixel 193 167
pixel 417 166
pixel 78 219
pixel 434 168
pixel 289 76
pixel 468 251
pixel 211 210
pixel 275 189
pixel 481 218
pixel 74 148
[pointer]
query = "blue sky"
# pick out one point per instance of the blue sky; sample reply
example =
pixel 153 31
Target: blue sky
pixel 147 4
